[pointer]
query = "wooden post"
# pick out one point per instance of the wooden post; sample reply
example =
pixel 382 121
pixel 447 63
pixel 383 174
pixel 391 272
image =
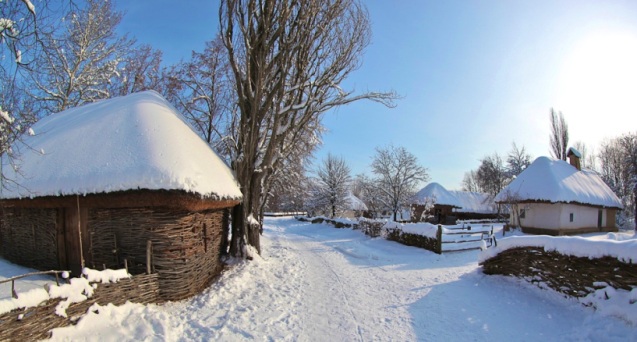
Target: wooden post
pixel 439 239
pixel 79 230
pixel 13 293
pixel 149 253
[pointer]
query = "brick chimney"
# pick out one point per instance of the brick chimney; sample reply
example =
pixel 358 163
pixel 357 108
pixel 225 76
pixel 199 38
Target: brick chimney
pixel 574 158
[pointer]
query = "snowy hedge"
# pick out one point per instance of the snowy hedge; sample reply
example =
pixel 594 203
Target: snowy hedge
pixel 371 227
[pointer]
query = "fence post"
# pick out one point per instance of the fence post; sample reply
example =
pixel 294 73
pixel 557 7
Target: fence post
pixel 13 293
pixel 439 240
pixel 149 253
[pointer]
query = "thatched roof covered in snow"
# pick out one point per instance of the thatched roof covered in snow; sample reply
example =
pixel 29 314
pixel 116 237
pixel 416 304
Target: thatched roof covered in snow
pixel 439 195
pixel 355 203
pixel 556 181
pixel 118 145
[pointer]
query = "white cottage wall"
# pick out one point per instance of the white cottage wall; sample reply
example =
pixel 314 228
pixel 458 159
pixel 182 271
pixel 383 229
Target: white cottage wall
pixel 558 216
pixel 540 215
pixel 583 216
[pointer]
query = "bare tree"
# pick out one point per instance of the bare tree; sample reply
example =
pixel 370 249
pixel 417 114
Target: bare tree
pixel 368 191
pixel 588 155
pixel 517 161
pixel 398 175
pixel 140 70
pixel 201 90
pixel 19 32
pixel 333 180
pixel 618 168
pixel 559 135
pixel 288 59
pixel 21 27
pixel 80 59
pixel 629 145
pixel 470 182
pixel 289 188
pixel 491 174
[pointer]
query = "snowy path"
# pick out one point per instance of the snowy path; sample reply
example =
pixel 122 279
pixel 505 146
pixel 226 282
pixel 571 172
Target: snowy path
pixel 318 283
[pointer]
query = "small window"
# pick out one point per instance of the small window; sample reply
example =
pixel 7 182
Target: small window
pixel 571 217
pixel 522 213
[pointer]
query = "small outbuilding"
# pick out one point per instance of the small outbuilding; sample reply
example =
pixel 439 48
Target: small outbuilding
pixel 558 198
pixel 124 180
pixel 354 206
pixel 435 204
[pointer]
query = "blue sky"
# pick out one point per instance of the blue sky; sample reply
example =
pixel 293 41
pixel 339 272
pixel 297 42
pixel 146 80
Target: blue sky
pixel 475 76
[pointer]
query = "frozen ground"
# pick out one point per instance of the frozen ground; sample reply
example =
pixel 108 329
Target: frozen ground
pixel 318 283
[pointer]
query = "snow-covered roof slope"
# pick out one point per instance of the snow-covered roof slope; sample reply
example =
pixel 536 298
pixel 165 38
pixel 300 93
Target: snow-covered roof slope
pixel 355 203
pixel 549 180
pixel 474 202
pixel 440 195
pixel 132 142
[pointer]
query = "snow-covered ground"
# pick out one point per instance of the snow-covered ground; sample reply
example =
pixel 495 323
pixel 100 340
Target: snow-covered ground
pixel 318 283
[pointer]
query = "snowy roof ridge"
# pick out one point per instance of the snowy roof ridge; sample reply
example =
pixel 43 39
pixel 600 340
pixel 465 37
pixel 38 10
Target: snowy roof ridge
pixel 355 203
pixel 556 181
pixel 441 195
pixel 138 141
pixel 474 202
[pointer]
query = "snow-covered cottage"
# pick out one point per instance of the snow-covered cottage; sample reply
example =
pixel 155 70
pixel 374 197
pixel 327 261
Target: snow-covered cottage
pixel 435 204
pixel 476 205
pixel 354 206
pixel 558 198
pixel 445 206
pixel 120 179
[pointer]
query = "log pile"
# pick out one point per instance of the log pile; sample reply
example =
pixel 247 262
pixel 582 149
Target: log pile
pixel 36 322
pixel 571 275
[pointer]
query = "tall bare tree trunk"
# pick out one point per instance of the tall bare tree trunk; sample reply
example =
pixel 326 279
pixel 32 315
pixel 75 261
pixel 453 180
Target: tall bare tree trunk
pixel 287 58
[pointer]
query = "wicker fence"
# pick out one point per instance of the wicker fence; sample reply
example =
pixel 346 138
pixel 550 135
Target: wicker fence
pixel 571 275
pixel 415 240
pixel 36 322
pixel 448 238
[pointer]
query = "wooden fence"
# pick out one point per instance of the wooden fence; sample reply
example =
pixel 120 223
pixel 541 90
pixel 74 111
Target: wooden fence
pixel 447 239
pixel 465 237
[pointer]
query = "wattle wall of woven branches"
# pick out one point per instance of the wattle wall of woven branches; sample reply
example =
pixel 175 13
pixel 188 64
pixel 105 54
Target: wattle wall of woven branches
pixel 571 275
pixel 185 252
pixel 37 321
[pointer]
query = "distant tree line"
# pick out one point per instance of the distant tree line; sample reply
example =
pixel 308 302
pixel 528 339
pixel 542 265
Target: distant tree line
pixel 397 176
pixel 494 172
